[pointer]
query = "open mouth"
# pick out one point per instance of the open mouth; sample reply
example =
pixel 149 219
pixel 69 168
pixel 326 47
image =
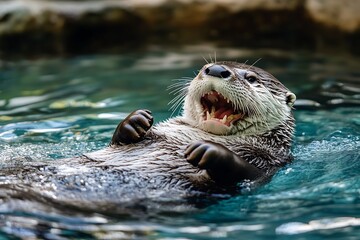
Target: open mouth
pixel 219 109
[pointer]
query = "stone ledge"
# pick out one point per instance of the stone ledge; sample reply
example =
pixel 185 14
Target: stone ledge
pixel 78 26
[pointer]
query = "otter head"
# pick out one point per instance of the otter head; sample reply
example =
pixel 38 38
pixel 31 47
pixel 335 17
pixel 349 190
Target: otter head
pixel 229 98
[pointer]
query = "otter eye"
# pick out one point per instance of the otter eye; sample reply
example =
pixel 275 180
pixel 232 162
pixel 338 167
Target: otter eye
pixel 250 78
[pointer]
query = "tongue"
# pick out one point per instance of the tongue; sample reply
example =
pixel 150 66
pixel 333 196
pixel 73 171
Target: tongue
pixel 220 113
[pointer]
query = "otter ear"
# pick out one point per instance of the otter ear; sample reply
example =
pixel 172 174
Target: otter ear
pixel 290 99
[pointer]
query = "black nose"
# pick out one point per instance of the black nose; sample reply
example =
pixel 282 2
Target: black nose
pixel 217 71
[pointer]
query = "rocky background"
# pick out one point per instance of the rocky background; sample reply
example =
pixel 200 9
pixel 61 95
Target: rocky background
pixel 38 27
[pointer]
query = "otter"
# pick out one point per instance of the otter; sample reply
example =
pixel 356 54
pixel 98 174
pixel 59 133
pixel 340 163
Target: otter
pixel 236 125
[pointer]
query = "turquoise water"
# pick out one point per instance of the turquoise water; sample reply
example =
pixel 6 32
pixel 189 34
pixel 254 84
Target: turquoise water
pixel 56 108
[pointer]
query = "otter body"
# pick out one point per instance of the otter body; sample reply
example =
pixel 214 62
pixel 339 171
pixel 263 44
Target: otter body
pixel 236 125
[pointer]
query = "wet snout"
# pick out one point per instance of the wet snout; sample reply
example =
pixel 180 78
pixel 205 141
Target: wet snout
pixel 218 71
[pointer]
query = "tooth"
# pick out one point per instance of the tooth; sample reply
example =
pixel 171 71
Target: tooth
pixel 224 119
pixel 208 115
pixel 213 111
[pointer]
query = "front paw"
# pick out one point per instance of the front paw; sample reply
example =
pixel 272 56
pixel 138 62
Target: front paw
pixel 222 165
pixel 133 128
pixel 207 155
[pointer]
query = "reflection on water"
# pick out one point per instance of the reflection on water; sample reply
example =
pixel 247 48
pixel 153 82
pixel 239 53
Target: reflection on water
pixel 57 108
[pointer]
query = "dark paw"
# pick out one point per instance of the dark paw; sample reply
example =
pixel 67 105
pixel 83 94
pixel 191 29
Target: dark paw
pixel 133 128
pixel 222 165
pixel 207 155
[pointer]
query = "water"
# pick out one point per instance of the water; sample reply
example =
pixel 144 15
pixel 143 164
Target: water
pixel 56 108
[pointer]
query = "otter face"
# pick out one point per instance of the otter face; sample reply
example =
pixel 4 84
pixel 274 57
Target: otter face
pixel 228 98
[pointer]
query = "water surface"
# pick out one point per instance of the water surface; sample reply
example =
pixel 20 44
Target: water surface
pixel 56 108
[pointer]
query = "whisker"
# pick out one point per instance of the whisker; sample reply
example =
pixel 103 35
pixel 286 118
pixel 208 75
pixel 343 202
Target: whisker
pixel 178 90
pixel 176 104
pixel 174 107
pixel 205 59
pixel 244 63
pixel 175 99
pixel 180 82
pixel 211 58
pixel 174 89
pixel 254 63
pixel 182 79
pixel 176 85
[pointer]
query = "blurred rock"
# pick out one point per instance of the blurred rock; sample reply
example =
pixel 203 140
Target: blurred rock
pixel 40 26
pixel 342 15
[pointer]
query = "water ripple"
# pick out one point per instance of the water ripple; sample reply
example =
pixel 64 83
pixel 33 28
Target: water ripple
pixel 293 228
pixel 59 108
